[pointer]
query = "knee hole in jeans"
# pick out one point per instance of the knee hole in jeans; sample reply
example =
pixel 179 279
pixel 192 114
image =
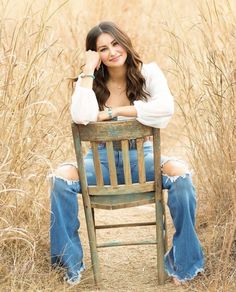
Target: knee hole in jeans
pixel 174 168
pixel 67 171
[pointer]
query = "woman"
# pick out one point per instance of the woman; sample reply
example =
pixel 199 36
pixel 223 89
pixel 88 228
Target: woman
pixel 116 84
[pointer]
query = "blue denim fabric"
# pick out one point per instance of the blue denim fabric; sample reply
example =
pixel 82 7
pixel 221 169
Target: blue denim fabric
pixel 183 261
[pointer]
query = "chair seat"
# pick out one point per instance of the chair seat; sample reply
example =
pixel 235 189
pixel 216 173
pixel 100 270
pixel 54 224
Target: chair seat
pixel 121 201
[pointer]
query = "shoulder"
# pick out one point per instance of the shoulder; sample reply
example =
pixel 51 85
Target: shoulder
pixel 150 67
pixel 152 71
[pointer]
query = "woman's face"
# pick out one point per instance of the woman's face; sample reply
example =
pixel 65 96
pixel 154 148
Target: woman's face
pixel 111 53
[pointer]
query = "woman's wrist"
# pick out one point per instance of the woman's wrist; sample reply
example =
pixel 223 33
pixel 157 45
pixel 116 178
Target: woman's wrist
pixel 88 69
pixel 83 75
pixel 115 112
pixel 111 113
pixel 87 77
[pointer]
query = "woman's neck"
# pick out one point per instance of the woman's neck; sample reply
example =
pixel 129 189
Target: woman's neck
pixel 117 75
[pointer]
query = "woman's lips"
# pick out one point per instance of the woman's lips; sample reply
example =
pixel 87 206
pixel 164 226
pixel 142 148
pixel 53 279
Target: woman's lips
pixel 115 59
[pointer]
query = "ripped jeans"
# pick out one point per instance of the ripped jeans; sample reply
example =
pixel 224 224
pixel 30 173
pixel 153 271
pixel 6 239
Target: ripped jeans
pixel 185 258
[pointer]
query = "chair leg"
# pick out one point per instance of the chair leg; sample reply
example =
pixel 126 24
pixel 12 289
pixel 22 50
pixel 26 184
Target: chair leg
pixel 160 242
pixel 165 222
pixel 93 214
pixel 93 246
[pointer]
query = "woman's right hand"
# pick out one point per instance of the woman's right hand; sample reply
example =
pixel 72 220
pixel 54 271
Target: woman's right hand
pixel 92 61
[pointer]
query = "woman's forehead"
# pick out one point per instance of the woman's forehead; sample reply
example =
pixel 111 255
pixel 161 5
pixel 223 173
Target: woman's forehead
pixel 104 39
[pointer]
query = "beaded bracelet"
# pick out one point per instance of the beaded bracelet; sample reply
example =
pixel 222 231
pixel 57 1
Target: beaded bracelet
pixel 87 75
pixel 109 111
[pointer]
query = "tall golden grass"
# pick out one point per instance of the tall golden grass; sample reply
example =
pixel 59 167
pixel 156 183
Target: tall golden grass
pixel 204 67
pixel 42 46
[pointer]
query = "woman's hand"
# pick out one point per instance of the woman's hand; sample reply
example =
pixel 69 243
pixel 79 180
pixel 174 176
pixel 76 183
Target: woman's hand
pixel 92 61
pixel 103 116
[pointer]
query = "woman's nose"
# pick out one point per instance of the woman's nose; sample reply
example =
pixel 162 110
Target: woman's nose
pixel 112 51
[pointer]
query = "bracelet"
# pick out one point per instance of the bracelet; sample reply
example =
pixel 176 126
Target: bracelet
pixel 82 75
pixel 109 111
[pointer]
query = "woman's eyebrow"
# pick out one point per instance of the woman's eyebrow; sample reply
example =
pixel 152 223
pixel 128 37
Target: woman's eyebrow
pixel 105 45
pixel 101 46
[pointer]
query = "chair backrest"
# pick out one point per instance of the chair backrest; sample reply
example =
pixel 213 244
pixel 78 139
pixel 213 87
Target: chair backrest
pixel 122 131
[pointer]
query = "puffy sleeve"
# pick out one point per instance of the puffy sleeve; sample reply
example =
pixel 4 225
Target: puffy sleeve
pixel 84 105
pixel 159 108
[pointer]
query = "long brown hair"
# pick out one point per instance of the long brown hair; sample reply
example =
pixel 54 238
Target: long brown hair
pixel 135 81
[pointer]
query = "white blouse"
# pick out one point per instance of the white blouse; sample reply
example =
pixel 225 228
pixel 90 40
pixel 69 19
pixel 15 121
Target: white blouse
pixel 155 112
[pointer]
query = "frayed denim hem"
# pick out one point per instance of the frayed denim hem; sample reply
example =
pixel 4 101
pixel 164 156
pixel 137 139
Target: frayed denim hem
pixel 175 177
pixel 174 274
pixel 188 278
pixel 71 273
pixel 53 177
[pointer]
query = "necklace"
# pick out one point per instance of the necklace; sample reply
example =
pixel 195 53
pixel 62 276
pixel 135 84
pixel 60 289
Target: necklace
pixel 120 90
pixel 114 87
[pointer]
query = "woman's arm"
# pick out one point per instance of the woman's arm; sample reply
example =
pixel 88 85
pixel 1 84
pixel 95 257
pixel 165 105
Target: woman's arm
pixel 159 108
pixel 157 111
pixel 84 106
pixel 125 111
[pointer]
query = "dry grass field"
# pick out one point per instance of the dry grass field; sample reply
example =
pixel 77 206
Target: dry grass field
pixel 41 48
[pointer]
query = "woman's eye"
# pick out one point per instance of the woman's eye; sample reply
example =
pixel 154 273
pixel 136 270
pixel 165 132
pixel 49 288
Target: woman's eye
pixel 103 50
pixel 115 44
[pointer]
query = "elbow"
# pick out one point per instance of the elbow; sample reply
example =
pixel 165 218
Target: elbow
pixel 76 119
pixel 80 118
pixel 84 107
pixel 170 109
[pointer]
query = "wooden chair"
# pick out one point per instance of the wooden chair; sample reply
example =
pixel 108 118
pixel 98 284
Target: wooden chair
pixel 116 196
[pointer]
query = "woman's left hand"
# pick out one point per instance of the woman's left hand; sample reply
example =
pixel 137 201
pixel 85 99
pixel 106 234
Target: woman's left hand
pixel 104 115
